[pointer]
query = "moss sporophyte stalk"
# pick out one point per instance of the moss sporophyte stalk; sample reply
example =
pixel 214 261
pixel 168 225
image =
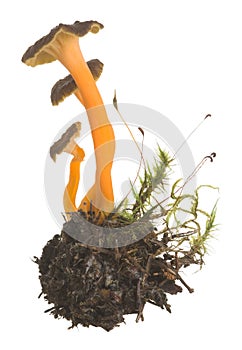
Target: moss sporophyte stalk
pixel 110 260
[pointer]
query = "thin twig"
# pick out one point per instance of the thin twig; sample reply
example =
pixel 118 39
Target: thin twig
pixel 191 290
pixel 141 304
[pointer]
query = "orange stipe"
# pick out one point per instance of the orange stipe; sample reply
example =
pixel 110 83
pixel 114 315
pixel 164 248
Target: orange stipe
pixel 69 54
pixel 69 198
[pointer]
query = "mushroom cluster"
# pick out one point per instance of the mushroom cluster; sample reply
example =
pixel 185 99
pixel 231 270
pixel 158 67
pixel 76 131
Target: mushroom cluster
pixel 96 274
pixel 62 44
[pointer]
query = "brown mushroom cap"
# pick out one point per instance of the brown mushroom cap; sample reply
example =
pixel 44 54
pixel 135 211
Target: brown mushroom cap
pixel 67 86
pixel 66 142
pixel 39 54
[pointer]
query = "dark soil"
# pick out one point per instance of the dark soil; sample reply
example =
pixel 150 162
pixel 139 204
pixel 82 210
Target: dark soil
pixel 95 286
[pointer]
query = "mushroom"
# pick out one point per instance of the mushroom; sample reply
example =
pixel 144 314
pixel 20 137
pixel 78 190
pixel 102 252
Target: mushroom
pixel 67 86
pixel 62 43
pixel 67 144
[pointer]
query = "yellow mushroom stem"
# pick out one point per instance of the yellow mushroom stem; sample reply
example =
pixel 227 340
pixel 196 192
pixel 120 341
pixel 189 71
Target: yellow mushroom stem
pixel 69 54
pixel 69 198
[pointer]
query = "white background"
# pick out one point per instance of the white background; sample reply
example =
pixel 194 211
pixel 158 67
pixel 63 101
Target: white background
pixel 182 58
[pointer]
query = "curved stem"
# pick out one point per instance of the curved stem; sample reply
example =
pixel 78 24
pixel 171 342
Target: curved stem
pixel 70 192
pixel 69 54
pixel 101 178
pixel 69 198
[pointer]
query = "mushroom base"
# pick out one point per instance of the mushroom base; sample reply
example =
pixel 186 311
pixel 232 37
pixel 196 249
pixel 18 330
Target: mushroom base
pixel 95 286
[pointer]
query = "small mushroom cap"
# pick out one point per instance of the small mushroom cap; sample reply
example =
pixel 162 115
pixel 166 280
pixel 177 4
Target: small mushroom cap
pixel 66 143
pixel 67 86
pixel 37 53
